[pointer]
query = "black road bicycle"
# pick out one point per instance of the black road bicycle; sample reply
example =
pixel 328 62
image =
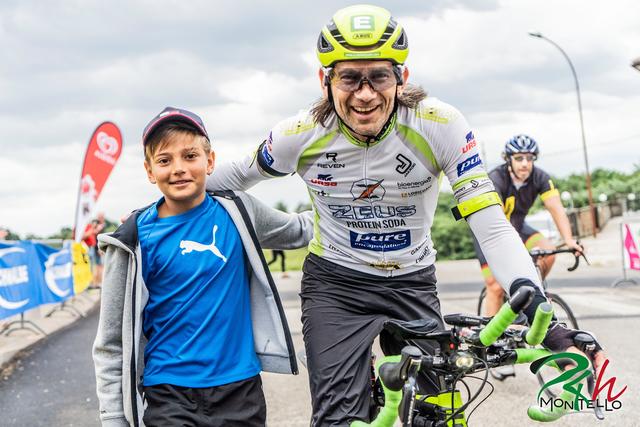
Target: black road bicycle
pixel 445 360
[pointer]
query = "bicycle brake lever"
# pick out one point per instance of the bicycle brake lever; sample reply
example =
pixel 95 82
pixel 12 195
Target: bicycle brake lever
pixel 585 343
pixel 597 411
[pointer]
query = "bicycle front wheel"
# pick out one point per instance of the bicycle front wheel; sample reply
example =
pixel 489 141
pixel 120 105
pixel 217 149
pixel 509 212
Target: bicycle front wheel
pixel 482 301
pixel 483 294
pixel 562 311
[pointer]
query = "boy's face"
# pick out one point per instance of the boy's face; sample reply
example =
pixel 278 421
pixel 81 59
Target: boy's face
pixel 179 167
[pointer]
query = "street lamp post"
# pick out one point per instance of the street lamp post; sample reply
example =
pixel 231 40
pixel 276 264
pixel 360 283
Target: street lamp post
pixel 584 142
pixel 567 197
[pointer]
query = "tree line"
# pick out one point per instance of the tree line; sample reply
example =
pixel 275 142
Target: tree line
pixel 452 238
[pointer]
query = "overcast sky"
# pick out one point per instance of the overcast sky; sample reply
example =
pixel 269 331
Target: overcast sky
pixel 66 66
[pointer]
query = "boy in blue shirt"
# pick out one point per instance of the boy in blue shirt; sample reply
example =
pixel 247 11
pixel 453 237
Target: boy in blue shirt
pixel 188 301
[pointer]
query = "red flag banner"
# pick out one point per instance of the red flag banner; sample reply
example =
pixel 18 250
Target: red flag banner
pixel 102 154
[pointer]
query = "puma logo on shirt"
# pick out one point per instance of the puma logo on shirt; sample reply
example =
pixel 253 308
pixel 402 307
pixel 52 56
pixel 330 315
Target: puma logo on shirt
pixel 189 246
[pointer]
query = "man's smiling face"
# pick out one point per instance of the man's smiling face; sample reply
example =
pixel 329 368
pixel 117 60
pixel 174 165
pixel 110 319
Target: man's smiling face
pixel 365 110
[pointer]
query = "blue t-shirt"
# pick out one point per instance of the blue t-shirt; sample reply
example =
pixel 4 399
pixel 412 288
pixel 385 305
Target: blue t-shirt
pixel 198 317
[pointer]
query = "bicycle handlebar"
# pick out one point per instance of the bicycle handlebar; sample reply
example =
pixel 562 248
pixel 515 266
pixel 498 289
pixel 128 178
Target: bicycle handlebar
pixel 540 324
pixel 538 253
pixel 400 372
pixel 507 314
pixel 394 375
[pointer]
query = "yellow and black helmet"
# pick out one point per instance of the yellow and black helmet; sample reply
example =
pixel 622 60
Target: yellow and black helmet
pixel 362 32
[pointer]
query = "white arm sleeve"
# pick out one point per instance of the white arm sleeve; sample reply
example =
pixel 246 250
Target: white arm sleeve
pixel 502 247
pixel 239 175
pixel 276 156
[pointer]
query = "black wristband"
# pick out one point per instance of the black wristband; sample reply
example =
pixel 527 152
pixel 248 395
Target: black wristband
pixel 538 297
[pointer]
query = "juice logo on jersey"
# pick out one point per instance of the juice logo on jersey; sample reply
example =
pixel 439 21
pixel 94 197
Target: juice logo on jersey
pixel 572 398
pixel 380 241
pixel 325 180
pixel 471 142
pixel 468 164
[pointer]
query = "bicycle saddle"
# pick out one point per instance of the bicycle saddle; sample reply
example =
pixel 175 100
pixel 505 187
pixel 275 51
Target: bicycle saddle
pixel 419 328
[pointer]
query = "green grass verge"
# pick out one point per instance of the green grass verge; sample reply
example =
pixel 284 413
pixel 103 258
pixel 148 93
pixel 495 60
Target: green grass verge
pixel 293 259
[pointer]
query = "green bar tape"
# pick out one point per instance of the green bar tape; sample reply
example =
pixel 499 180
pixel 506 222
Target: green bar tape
pixel 389 412
pixel 546 415
pixel 497 325
pixel 528 355
pixel 541 321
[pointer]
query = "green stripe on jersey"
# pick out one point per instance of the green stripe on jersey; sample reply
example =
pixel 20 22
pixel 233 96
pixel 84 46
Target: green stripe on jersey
pixel 315 245
pixel 420 143
pixel 468 179
pixel 314 150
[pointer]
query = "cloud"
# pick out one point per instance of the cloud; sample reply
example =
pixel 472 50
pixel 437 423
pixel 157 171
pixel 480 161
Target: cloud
pixel 66 66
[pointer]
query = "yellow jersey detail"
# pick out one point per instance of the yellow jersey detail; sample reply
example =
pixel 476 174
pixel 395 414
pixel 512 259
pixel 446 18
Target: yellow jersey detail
pixel 509 206
pixel 433 115
pixel 298 128
pixel 549 193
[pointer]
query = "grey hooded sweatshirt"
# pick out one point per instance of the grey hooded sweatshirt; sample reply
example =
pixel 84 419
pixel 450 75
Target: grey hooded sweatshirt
pixel 118 350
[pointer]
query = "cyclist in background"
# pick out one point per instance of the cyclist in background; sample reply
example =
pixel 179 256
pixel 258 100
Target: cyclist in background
pixel 519 183
pixel 371 152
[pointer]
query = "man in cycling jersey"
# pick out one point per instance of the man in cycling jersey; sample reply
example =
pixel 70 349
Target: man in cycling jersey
pixel 519 183
pixel 371 152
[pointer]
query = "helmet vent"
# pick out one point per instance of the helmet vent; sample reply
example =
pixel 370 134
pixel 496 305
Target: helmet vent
pixel 323 44
pixel 402 43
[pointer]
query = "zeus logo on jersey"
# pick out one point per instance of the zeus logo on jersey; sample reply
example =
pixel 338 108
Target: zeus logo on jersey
pixel 381 242
pixel 371 212
pixel 468 164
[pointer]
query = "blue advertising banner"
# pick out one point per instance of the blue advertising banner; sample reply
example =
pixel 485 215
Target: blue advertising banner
pixel 32 274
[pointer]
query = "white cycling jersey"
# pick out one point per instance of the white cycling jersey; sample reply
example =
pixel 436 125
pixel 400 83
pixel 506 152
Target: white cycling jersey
pixel 374 203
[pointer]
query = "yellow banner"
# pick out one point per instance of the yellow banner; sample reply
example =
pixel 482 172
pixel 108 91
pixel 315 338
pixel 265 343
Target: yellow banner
pixel 81 267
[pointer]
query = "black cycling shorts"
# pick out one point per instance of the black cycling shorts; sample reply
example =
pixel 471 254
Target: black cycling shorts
pixel 343 311
pixel 238 404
